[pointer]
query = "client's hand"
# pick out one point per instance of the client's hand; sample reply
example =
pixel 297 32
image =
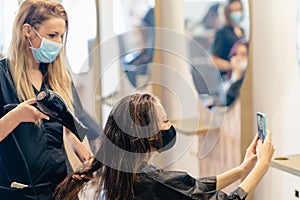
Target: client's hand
pixel 250 158
pixel 265 151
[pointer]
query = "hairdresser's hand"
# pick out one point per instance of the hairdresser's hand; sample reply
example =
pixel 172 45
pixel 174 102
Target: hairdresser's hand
pixel 84 172
pixel 265 151
pixel 250 158
pixel 26 112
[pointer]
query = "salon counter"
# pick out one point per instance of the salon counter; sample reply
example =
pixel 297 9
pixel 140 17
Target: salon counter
pixel 289 164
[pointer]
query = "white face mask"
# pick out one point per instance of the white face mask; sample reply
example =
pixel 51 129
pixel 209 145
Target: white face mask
pixel 243 65
pixel 47 52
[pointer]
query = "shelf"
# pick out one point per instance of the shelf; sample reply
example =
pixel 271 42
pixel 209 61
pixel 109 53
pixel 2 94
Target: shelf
pixel 289 164
pixel 192 126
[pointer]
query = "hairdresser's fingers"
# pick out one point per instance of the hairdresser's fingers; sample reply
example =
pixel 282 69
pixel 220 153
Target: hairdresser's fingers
pixel 40 115
pixel 86 177
pixel 30 101
pixel 80 177
pixel 77 177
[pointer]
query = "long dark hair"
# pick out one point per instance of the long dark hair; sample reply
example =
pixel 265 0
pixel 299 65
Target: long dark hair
pixel 130 133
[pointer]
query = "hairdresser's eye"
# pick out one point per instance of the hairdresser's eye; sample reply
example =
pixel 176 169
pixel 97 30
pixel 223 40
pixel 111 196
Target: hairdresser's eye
pixel 166 121
pixel 52 35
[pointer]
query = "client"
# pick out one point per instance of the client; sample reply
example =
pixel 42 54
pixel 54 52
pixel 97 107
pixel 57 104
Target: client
pixel 138 126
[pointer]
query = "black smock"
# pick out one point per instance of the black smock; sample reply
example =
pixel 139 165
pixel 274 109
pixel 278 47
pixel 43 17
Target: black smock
pixel 157 184
pixel 40 147
pixel 224 40
pixel 234 91
pixel 161 185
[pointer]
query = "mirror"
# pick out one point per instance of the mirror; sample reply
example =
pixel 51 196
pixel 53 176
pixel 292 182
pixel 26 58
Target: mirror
pixel 219 48
pixel 132 22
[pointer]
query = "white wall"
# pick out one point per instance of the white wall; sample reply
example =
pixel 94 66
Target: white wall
pixel 276 85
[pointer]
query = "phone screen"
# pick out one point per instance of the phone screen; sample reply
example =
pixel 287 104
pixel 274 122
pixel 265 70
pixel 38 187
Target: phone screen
pixel 261 125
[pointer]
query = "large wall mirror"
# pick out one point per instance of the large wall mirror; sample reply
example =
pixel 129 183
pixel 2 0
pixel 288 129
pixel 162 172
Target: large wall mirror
pixel 133 22
pixel 219 31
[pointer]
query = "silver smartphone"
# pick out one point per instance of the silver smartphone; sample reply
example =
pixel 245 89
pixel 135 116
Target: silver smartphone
pixel 261 125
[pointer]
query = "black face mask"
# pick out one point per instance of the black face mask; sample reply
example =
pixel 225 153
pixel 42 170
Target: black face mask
pixel 168 139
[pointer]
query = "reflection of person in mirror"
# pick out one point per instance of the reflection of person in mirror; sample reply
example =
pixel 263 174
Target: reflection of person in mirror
pixel 203 31
pixel 238 58
pixel 142 56
pixel 32 151
pixel 138 126
pixel 230 33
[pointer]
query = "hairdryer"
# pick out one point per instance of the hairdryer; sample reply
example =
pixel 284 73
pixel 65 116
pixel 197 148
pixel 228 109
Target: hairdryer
pixel 53 105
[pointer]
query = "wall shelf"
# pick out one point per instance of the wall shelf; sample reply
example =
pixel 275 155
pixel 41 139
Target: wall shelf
pixel 193 126
pixel 289 164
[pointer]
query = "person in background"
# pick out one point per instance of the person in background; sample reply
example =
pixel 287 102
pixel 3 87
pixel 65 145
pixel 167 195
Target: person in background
pixel 135 62
pixel 238 57
pixel 136 127
pixel 203 31
pixel 229 34
pixel 32 151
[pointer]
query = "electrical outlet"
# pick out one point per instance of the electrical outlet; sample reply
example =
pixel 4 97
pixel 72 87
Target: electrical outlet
pixel 296 194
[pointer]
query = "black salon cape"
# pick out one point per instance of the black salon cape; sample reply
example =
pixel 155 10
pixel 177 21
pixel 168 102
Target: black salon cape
pixel 42 147
pixel 161 185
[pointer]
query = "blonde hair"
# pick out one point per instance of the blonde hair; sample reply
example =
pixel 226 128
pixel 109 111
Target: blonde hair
pixel 35 12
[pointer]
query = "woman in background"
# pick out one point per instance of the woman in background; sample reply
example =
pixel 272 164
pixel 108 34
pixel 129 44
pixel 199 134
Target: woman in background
pixel 239 62
pixel 229 34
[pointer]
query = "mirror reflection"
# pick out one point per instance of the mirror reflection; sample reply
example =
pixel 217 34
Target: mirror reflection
pixel 221 28
pixel 132 24
pixel 218 48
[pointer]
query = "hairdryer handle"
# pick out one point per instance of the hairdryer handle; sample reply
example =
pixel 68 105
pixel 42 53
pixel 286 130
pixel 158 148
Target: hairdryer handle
pixel 73 124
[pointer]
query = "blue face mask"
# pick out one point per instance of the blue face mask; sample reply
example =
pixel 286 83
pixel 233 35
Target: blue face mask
pixel 236 17
pixel 47 52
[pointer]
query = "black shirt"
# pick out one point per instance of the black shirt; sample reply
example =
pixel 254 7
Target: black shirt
pixel 30 154
pixel 224 41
